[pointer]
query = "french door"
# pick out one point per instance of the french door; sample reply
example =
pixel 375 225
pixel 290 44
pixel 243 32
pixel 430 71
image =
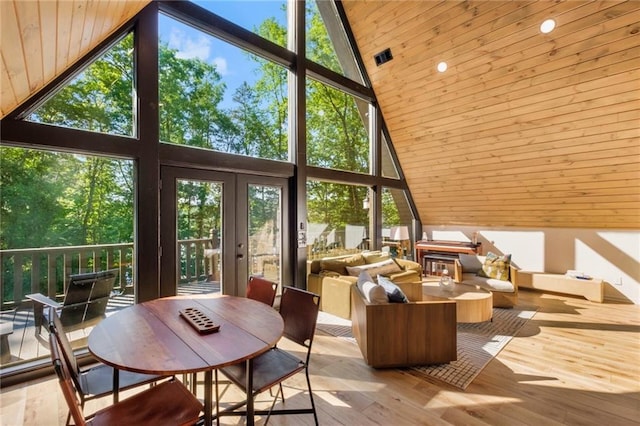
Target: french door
pixel 218 228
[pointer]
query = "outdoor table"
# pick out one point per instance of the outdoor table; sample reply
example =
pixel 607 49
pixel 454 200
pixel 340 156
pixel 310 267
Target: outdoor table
pixel 152 338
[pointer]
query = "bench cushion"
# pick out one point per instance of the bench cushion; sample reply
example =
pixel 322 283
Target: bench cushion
pixel 490 284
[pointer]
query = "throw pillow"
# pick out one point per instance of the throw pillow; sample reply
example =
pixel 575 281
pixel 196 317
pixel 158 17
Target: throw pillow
pixel 364 277
pixel 394 293
pixel 495 266
pixel 379 268
pixel 371 291
pixel 340 265
pixel 471 264
pixel 375 256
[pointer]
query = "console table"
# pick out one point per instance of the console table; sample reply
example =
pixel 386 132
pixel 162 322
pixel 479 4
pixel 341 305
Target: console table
pixel 440 251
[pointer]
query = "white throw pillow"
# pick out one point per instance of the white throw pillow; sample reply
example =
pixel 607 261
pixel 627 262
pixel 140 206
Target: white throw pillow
pixel 371 291
pixel 363 278
pixel 374 293
pixel 385 267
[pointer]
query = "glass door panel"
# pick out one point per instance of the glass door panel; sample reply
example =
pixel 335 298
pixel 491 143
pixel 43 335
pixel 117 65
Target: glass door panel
pixel 199 247
pixel 218 228
pixel 261 249
pixel 265 225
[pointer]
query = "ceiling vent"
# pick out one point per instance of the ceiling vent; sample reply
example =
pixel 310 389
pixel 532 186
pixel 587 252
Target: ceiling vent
pixel 382 57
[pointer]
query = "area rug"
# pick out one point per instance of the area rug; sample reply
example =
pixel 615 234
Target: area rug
pixel 477 344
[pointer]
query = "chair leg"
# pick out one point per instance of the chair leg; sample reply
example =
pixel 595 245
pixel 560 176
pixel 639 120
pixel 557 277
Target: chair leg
pixel 38 317
pixel 313 405
pixel 273 403
pixel 215 379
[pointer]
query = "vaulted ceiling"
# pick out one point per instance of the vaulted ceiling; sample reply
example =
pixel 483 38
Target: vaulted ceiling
pixel 524 129
pixel 41 39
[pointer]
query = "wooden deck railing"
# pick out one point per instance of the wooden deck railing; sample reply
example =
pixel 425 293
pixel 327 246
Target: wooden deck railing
pixel 46 270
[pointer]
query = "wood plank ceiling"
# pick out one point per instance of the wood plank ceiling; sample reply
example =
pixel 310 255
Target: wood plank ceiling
pixel 41 39
pixel 523 129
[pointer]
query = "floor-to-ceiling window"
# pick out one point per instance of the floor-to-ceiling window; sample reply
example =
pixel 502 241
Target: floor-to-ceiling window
pixel 188 90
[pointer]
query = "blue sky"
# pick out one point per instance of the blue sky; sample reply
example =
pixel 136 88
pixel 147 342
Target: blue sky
pixel 232 64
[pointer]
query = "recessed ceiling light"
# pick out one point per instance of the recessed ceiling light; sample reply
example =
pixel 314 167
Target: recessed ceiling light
pixel 442 67
pixel 547 26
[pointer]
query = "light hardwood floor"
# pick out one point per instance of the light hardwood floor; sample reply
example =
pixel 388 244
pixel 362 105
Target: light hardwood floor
pixel 575 363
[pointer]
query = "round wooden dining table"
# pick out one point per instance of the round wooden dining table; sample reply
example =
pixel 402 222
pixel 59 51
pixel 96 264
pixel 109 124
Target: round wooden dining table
pixel 153 338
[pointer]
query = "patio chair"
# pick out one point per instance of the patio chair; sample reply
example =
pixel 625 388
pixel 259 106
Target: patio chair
pixel 169 403
pixel 98 380
pixel 299 310
pixel 261 290
pixel 84 304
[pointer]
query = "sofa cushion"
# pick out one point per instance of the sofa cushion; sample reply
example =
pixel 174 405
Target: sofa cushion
pixel 495 266
pixel 340 265
pixel 394 293
pixel 471 263
pixel 490 284
pixel 375 256
pixel 371 291
pixel 379 268
pixel 327 273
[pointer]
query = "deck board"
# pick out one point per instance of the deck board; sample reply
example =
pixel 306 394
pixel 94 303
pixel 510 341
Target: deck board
pixel 25 345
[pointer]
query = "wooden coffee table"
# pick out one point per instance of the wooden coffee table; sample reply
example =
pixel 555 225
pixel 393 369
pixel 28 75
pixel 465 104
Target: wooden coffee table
pixel 473 304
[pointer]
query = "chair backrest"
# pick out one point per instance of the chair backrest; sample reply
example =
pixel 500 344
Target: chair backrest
pixel 261 290
pixel 67 385
pixel 64 346
pixel 299 311
pixel 87 297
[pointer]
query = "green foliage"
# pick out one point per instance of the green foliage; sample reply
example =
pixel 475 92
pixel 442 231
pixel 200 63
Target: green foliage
pixel 190 91
pixel 318 44
pixel 30 190
pixel 55 199
pixel 62 199
pixel 99 99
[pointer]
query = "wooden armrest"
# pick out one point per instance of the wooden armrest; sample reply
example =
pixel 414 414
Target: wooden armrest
pixel 43 300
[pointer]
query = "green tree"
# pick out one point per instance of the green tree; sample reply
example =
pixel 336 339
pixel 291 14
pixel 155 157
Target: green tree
pixel 190 91
pixel 100 98
pixel 30 190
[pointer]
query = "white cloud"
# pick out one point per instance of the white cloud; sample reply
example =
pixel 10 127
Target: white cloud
pixel 189 48
pixel 221 65
pixel 198 47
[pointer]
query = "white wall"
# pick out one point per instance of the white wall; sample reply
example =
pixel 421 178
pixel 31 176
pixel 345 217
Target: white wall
pixel 611 255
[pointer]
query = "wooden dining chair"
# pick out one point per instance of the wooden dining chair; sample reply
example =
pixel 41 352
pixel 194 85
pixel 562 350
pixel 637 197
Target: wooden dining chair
pixel 299 311
pixel 169 403
pixel 258 289
pixel 96 381
pixel 261 290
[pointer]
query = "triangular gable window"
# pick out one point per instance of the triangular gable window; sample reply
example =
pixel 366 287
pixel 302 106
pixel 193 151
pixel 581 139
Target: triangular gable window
pixel 323 23
pixel 99 98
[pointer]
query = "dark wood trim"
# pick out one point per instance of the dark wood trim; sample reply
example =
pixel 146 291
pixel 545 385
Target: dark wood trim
pixel 185 156
pixel 49 137
pixel 147 205
pixel 299 182
pixel 338 81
